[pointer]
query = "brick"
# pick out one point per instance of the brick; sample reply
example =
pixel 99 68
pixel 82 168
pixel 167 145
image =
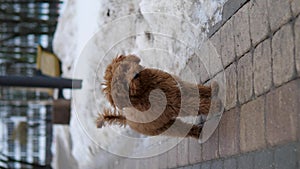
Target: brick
pixel 245 161
pixel 229 133
pixel 216 42
pixel 295 7
pixel 195 149
pixel 282 107
pixel 230 163
pixel 172 157
pixel 210 147
pixel 231 87
pixel 220 78
pixel 206 165
pixel 283 55
pixel 210 57
pixel 259 24
pixel 241 31
pixel 285 157
pixel 215 62
pixel 188 167
pixel 252 130
pixel 263 160
pixel 183 152
pixel 204 76
pixel 230 8
pixel 279 13
pixel 227 39
pixel 262 61
pixel 197 166
pixel 192 68
pixel 217 164
pixel 245 78
pixel 297 43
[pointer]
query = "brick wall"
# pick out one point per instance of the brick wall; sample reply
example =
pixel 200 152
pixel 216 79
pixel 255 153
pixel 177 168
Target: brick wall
pixel 259 45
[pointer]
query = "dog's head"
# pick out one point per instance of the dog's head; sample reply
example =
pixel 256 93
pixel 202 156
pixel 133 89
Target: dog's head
pixel 118 76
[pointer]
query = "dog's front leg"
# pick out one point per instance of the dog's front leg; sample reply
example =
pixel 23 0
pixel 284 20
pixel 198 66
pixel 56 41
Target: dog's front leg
pixel 178 128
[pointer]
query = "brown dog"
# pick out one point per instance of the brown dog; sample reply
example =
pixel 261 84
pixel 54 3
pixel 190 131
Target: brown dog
pixel 150 100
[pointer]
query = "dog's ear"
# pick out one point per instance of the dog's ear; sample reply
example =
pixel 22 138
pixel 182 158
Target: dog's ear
pixel 109 117
pixel 132 58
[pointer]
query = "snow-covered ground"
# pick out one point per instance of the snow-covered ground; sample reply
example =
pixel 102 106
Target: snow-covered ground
pixel 165 34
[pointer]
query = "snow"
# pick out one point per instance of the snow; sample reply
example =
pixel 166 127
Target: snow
pixel 165 34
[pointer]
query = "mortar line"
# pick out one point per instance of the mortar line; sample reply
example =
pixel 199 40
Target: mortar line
pixel 293 24
pixel 224 20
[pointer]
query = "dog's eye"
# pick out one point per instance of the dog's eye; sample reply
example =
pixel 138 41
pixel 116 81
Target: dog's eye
pixel 136 75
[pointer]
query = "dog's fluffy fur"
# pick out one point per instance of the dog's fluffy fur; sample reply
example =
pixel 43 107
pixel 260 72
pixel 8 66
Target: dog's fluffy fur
pixel 150 101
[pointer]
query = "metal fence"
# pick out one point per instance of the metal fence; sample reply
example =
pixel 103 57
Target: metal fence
pixel 24 24
pixel 25 124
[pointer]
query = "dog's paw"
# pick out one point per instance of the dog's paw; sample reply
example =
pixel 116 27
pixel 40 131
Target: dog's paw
pixel 201 120
pixel 100 121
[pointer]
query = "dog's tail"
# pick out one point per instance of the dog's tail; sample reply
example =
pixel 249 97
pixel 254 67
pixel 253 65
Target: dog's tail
pixel 109 117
